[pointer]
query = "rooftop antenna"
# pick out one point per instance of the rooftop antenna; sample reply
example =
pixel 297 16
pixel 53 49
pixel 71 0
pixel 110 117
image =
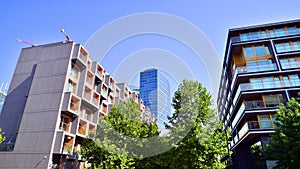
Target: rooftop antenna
pixel 26 42
pixel 66 35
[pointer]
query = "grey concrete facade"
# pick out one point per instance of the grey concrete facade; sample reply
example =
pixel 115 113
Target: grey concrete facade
pixel 54 101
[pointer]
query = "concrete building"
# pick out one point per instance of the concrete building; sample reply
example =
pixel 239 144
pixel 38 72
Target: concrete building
pixel 260 70
pixel 55 98
pixel 155 92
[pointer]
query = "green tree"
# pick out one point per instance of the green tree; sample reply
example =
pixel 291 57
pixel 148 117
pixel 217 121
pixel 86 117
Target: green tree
pixel 285 144
pixel 2 138
pixel 118 138
pixel 195 133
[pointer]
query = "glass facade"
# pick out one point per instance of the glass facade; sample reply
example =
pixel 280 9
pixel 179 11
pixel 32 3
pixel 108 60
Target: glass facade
pixel 155 92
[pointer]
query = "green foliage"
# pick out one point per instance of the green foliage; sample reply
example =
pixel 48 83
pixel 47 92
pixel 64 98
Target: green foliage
pixel 194 140
pixel 117 138
pixel 195 133
pixel 285 145
pixel 2 138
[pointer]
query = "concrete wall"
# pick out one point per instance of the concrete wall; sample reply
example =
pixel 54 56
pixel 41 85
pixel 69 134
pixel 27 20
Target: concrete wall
pixel 33 105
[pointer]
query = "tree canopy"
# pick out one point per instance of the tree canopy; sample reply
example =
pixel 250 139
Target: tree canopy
pixel 285 144
pixel 194 138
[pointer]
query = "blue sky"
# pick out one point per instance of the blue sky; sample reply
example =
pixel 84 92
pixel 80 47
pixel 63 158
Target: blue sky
pixel 40 22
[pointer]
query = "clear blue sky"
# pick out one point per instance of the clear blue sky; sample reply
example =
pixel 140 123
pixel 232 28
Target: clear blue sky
pixel 40 22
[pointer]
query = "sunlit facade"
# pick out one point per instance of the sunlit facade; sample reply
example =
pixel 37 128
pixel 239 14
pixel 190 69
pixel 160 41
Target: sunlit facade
pixel 260 71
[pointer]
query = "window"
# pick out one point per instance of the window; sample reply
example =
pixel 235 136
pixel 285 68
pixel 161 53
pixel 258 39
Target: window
pixel 255 35
pixel 256 83
pixel 279 48
pixel 259 50
pixel 292 30
pixel 268 82
pixel 296 45
pixel 292 62
pixel 272 33
pixel 64 123
pixel 245 36
pixel 265 121
pixel 280 32
pixel 294 80
pixel 264 34
pixel 287 46
pixel 251 51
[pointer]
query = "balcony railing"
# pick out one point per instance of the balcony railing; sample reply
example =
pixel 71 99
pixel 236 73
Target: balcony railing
pixel 290 65
pixel 265 85
pixel 95 101
pixel 257 68
pixel 71 88
pixel 255 125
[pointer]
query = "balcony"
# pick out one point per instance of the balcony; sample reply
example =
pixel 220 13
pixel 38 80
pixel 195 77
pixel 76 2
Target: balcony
pixel 266 85
pixel 290 65
pixel 86 113
pixel 255 125
pixel 254 105
pixel 82 127
pixel 74 73
pixel 89 78
pixel 252 126
pixel 258 68
pixel 68 148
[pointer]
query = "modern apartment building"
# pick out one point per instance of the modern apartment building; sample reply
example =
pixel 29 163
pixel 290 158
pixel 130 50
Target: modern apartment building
pixel 260 70
pixel 155 92
pixel 55 98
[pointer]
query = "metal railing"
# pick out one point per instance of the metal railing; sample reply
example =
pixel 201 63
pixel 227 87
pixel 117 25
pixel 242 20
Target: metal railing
pixel 257 68
pixel 265 85
pixel 290 65
pixel 255 125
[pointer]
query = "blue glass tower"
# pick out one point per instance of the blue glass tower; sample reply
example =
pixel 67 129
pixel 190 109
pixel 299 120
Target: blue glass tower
pixel 155 92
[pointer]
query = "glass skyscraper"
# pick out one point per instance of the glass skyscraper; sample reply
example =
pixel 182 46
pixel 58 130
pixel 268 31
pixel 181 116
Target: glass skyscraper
pixel 155 92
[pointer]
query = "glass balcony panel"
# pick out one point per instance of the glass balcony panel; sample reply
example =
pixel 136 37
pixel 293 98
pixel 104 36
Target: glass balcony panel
pixel 68 147
pixel 280 32
pixel 296 46
pixel 292 30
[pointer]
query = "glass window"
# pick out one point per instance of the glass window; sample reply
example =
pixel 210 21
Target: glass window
pixel 255 35
pixel 272 33
pixel 248 51
pixel 280 32
pixel 265 121
pixel 260 50
pixel 277 82
pixel 252 67
pixel 245 36
pixel 293 63
pixel 279 47
pixel 296 45
pixel 284 63
pixel 263 65
pixel 286 81
pixel 263 34
pixel 287 47
pixel 292 30
pixel 268 82
pixel 267 50
pixel 256 83
pixel 294 80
